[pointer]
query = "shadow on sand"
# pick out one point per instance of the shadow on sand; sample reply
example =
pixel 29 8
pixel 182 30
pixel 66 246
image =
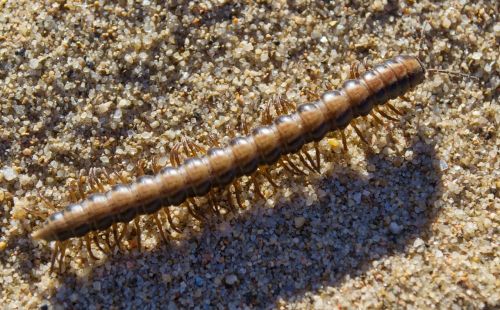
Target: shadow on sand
pixel 270 258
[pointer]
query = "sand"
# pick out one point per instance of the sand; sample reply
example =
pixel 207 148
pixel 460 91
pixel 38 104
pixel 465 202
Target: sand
pixel 409 222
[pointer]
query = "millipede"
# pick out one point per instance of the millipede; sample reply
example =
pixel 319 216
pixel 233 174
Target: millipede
pixel 196 173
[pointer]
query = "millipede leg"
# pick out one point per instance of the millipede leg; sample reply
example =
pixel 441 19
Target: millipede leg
pixel 73 194
pixel 170 220
pixel 54 256
pixel 266 115
pixel 390 106
pixel 121 177
pixel 310 160
pixel 156 165
pixel 268 176
pixel 63 247
pixel 80 183
pixel 140 168
pixel 229 198
pixel 344 141
pixel 80 245
pixel 277 106
pixel 138 228
pixel 160 227
pixel 358 132
pixel 192 209
pixel 100 186
pixel 213 203
pixel 95 183
pixel 107 241
pixel 329 85
pixel 175 155
pixel 123 233
pixel 188 151
pixel 284 164
pixel 386 115
pixel 286 106
pixel 293 165
pixel 318 156
pixel 199 148
pixel 92 180
pixel 114 229
pixel 97 243
pixel 237 191
pixel 377 119
pixel 303 160
pixel 354 70
pixel 88 245
pixel 312 95
pixel 108 177
pixel 213 141
pixel 256 186
pixel 214 196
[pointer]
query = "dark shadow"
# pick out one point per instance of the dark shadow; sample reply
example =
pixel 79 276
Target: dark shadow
pixel 272 259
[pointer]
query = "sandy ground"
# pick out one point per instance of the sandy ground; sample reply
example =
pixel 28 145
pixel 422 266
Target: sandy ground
pixel 413 224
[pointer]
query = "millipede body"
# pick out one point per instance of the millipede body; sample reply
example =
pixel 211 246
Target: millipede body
pixel 220 166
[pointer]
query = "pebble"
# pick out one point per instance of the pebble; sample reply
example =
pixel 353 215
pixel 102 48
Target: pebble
pixel 34 63
pixel 377 6
pixel 395 228
pixel 470 228
pixel 198 281
pixel 418 243
pixel 124 103
pixel 103 108
pixel 438 254
pixel 477 55
pixel 9 173
pixel 443 165
pixel 299 222
pixel 19 210
pixel 231 279
pixel 96 285
pixel 446 23
pixel 335 145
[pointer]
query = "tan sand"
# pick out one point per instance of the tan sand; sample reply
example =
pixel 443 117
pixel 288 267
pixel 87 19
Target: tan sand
pixel 412 225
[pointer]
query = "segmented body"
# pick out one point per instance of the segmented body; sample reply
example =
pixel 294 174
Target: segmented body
pixel 220 166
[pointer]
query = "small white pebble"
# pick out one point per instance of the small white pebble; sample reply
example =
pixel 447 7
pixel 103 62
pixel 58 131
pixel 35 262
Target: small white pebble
pixel 118 114
pixel 438 254
pixel 418 243
pixel 377 6
pixel 24 180
pixel 34 63
pixel 9 174
pixel 104 159
pixel 470 228
pixel 103 108
pixel 496 28
pixel 477 55
pixel 446 23
pixel 124 103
